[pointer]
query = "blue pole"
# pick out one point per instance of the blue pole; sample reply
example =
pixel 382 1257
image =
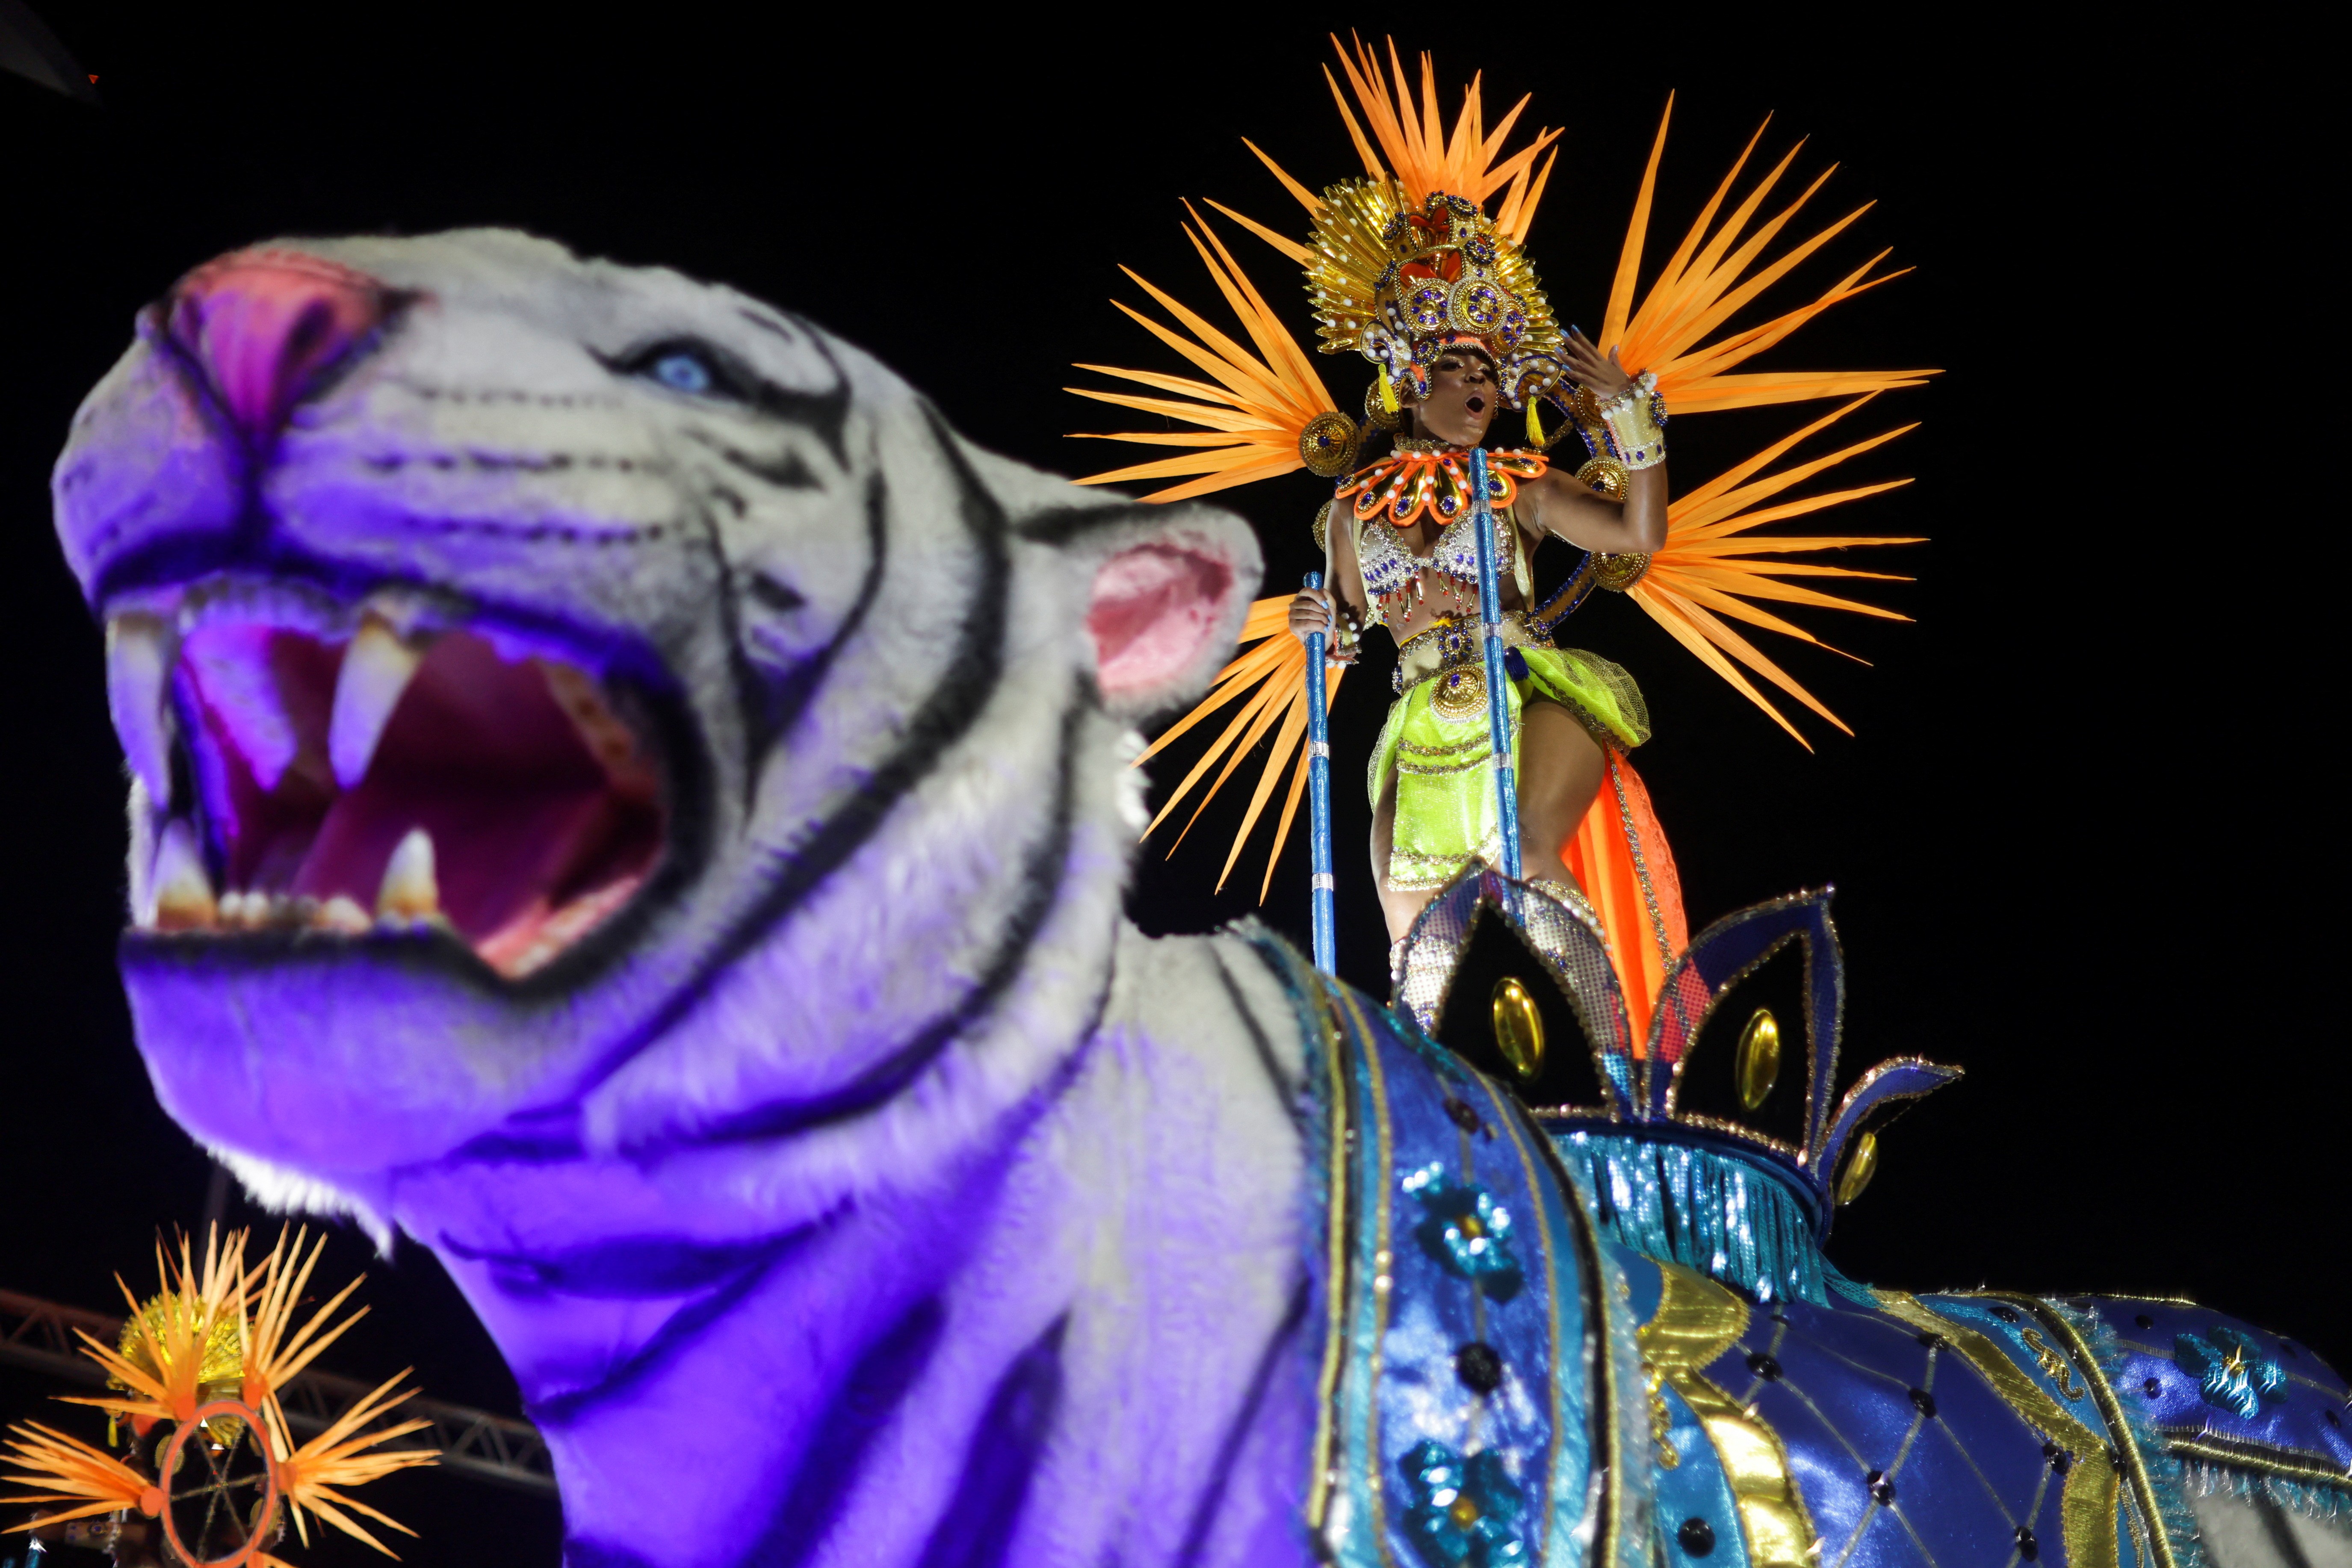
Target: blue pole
pixel 1318 802
pixel 1498 702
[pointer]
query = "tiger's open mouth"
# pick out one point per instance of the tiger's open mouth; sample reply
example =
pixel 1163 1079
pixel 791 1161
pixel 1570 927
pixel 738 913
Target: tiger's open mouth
pixel 338 773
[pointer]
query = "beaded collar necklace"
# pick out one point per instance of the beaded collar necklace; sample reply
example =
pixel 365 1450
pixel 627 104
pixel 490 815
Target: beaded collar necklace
pixel 1427 478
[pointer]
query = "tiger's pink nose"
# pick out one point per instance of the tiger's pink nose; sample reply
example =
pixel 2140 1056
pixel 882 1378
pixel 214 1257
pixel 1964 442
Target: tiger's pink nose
pixel 268 325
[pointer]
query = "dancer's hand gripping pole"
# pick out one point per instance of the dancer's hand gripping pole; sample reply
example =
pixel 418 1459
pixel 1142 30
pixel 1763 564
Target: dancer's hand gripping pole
pixel 1318 801
pixel 1498 704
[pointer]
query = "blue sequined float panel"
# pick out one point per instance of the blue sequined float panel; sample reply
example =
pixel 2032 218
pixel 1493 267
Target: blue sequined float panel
pixel 1914 1440
pixel 2225 1394
pixel 1980 1429
pixel 1501 1382
pixel 1480 1396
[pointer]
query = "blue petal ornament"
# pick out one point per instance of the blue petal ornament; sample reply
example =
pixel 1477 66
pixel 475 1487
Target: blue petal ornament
pixel 1465 1231
pixel 1462 1513
pixel 2231 1370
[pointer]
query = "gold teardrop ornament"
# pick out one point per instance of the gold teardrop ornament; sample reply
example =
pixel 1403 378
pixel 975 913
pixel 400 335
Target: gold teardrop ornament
pixel 1860 1166
pixel 1759 1059
pixel 1519 1028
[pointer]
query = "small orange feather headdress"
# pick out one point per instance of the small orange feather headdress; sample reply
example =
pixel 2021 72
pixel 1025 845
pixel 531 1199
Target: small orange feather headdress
pixel 218 1335
pixel 1382 242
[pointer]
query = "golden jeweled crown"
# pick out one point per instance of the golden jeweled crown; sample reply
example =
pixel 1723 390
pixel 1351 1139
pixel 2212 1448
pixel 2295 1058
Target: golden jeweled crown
pixel 1399 283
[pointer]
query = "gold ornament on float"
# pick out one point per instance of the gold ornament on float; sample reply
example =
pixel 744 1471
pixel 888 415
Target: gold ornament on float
pixel 1519 1028
pixel 1860 1166
pixel 1758 1060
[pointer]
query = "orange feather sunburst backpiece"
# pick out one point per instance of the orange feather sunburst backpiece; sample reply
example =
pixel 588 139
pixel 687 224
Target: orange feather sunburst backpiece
pixel 1717 570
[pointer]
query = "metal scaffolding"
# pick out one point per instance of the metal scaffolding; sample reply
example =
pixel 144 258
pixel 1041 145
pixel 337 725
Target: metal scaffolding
pixel 39 1335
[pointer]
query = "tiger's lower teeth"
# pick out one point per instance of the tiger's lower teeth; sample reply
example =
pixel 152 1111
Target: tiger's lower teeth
pixel 304 749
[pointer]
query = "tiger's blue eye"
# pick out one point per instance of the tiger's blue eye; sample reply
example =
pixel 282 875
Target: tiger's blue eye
pixel 683 372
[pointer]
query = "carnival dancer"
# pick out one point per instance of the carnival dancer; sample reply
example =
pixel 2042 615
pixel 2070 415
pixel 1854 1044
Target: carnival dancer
pixel 1420 268
pixel 1406 559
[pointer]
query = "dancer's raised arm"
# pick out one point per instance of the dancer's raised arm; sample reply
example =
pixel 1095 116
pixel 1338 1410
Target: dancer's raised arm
pixel 1556 503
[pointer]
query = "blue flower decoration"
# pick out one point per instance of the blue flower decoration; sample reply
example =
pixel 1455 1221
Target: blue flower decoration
pixel 1466 1232
pixel 2231 1368
pixel 1462 1513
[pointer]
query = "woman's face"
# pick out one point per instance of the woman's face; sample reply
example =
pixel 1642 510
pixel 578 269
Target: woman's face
pixel 1461 401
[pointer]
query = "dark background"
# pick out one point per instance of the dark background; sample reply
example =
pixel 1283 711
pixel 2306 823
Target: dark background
pixel 2083 843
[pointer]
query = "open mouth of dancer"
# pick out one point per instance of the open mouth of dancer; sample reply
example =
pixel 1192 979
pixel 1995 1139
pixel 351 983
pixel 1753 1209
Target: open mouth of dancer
pixel 344 772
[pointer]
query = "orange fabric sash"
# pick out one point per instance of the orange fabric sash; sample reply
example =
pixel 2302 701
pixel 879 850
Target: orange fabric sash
pixel 1619 856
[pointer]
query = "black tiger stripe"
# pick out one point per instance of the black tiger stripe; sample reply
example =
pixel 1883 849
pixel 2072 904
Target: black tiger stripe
pixel 683 1330
pixel 823 414
pixel 976 1529
pixel 1228 1452
pixel 629 1268
pixel 786 472
pixel 1061 524
pixel 974 670
pixel 769 707
pixel 1040 884
pixel 866 1404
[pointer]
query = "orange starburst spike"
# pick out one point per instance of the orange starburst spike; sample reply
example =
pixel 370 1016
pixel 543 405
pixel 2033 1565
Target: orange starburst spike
pixel 276 1351
pixel 198 1313
pixel 1716 271
pixel 1270 681
pixel 64 1470
pixel 346 1455
pixel 1256 400
pixel 1418 155
pixel 1712 564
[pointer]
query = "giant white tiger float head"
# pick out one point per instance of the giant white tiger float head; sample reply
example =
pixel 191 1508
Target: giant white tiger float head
pixel 766 735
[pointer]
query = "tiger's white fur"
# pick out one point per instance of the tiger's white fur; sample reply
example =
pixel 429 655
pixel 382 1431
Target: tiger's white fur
pixel 1103 1138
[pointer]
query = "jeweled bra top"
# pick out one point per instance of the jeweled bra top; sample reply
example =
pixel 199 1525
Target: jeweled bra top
pixel 1389 566
pixel 1423 478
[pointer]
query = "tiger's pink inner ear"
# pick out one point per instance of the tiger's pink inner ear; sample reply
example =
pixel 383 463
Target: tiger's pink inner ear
pixel 1154 611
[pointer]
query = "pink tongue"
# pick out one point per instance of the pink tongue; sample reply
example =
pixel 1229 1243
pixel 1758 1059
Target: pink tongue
pixel 479 756
pixel 494 854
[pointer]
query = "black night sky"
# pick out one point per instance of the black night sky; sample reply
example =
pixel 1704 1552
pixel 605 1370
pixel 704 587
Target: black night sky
pixel 2078 836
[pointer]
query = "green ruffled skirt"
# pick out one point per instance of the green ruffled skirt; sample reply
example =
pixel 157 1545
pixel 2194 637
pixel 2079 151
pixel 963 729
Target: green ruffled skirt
pixel 1437 743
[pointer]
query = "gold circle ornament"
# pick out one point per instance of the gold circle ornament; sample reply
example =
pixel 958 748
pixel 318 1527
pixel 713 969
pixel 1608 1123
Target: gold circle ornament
pixel 1379 415
pixel 1759 1058
pixel 1604 477
pixel 1861 1165
pixel 1323 526
pixel 1519 1028
pixel 1620 571
pixel 1459 694
pixel 1427 306
pixel 1327 444
pixel 1473 305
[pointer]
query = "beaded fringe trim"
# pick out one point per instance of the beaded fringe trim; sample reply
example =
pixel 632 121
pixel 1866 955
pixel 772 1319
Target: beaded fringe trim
pixel 1706 1211
pixel 2297 1497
